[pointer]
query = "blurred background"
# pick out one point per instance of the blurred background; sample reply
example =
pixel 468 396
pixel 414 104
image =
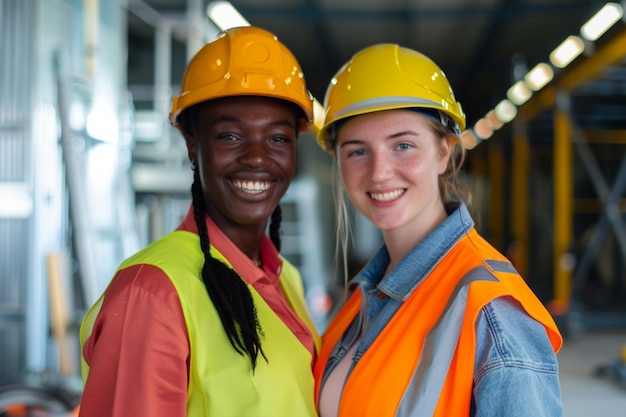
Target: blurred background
pixel 91 170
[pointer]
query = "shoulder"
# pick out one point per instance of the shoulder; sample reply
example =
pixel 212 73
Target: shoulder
pixel 137 295
pixel 507 336
pixel 143 280
pixel 514 358
pixel 174 247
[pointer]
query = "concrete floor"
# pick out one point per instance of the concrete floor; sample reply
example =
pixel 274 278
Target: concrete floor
pixel 585 394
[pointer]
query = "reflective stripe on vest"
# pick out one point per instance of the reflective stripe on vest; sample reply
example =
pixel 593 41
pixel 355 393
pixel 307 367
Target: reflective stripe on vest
pixel 439 346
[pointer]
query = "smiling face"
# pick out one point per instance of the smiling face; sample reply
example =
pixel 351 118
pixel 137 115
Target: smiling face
pixel 245 150
pixel 390 162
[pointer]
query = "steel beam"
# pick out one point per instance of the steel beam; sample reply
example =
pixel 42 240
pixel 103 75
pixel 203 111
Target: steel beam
pixel 588 69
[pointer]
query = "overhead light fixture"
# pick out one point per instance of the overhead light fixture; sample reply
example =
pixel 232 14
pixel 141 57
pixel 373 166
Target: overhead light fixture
pixel 505 111
pixel 493 120
pixel 606 17
pixel 565 53
pixel 519 93
pixel 482 129
pixel 539 76
pixel 225 15
pixel 469 139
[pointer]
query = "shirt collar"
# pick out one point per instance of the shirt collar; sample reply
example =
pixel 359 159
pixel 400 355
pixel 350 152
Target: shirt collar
pixel 270 258
pixel 418 263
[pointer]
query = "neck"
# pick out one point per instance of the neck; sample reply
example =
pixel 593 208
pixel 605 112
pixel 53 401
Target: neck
pixel 247 238
pixel 400 241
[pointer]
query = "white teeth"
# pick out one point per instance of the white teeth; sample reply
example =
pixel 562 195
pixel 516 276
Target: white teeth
pixel 252 187
pixel 392 195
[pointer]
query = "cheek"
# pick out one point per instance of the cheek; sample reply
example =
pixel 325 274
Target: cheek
pixel 344 170
pixel 351 175
pixel 420 170
pixel 205 159
pixel 288 162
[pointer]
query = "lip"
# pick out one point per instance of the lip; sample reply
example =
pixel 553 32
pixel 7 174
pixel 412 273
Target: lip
pixel 386 196
pixel 249 188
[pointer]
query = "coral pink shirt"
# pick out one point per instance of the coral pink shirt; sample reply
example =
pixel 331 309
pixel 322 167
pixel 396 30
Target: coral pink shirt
pixel 139 349
pixel 265 281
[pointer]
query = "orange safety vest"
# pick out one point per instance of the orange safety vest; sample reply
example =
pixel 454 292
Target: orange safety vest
pixel 430 341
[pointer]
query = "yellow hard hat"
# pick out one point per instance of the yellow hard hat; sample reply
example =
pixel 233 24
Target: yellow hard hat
pixel 243 61
pixel 385 77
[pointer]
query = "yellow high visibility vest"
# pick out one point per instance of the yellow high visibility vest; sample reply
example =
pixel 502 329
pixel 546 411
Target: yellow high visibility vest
pixel 221 381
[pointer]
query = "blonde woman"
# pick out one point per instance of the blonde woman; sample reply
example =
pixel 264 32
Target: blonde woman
pixel 438 323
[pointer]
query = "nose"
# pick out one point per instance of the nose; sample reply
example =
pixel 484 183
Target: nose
pixel 381 167
pixel 255 154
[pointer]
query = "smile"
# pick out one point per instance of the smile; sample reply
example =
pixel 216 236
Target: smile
pixel 252 187
pixel 391 195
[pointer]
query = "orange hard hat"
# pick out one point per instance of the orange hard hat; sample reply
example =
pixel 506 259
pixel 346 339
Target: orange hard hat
pixel 244 61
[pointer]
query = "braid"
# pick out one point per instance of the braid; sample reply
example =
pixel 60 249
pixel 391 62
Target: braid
pixel 277 217
pixel 227 289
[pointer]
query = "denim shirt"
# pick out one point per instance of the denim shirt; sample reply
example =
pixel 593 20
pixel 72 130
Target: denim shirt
pixel 516 370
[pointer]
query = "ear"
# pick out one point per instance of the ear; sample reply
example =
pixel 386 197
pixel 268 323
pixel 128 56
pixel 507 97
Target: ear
pixel 445 150
pixel 191 150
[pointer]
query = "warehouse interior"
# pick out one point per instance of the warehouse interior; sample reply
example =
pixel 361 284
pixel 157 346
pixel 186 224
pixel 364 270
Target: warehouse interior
pixel 91 170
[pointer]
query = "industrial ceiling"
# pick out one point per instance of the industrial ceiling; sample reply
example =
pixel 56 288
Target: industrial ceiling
pixel 482 45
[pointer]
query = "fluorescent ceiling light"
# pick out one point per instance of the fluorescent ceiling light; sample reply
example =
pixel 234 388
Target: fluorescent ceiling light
pixel 539 76
pixel 482 129
pixel 469 139
pixel 519 93
pixel 225 16
pixel 601 21
pixel 505 111
pixel 493 120
pixel 565 53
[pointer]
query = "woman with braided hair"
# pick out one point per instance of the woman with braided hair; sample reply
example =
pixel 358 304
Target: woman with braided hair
pixel 210 320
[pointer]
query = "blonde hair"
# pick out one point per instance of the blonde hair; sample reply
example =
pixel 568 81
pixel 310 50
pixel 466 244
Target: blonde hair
pixel 343 233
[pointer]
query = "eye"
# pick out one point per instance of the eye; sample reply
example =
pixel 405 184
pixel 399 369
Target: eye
pixel 404 146
pixel 228 136
pixel 280 139
pixel 355 152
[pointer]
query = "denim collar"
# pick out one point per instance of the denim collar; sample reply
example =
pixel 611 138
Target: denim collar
pixel 418 263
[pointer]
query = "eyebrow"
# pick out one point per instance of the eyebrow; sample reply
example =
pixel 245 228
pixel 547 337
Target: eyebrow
pixel 393 136
pixel 350 142
pixel 404 133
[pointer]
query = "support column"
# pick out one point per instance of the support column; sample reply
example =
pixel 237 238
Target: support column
pixel 563 202
pixel 518 252
pixel 496 170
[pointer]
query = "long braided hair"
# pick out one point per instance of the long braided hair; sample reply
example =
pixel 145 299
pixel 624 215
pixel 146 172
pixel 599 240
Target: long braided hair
pixel 228 291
